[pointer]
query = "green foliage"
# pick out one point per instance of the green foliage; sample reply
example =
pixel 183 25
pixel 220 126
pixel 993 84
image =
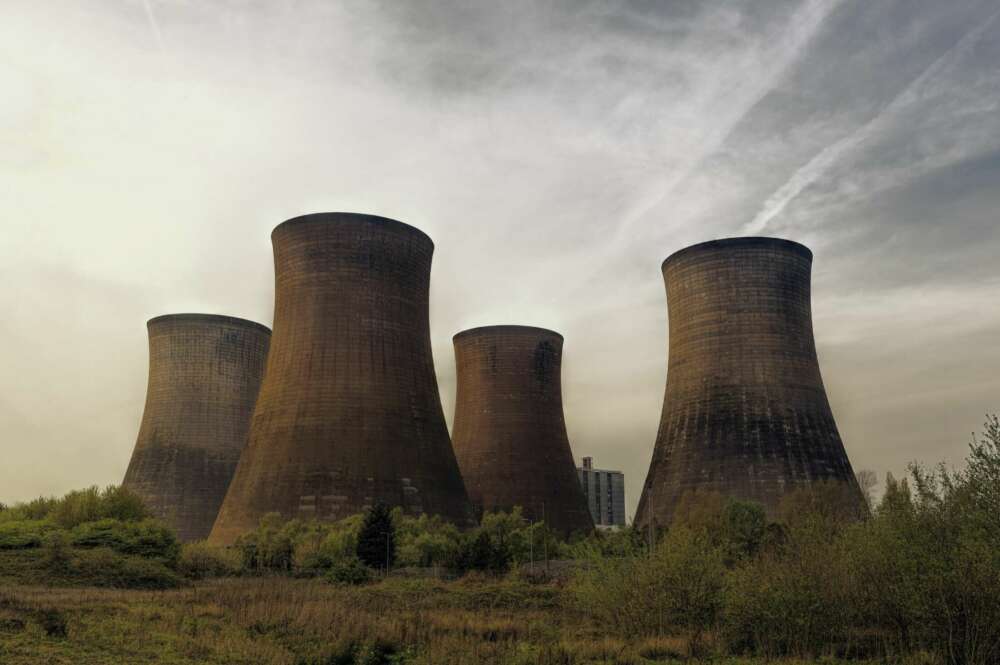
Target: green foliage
pixel 743 529
pixel 679 586
pixel 377 539
pixel 201 560
pixel 349 571
pixel 104 567
pixel 148 538
pixel 80 506
pixel 424 541
pixel 794 602
pixel 57 554
pixel 271 546
pixel 629 541
pixel 479 551
pixel 24 534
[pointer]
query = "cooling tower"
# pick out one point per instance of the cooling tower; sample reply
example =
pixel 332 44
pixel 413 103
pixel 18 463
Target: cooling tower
pixel 204 375
pixel 509 433
pixel 349 413
pixel 745 413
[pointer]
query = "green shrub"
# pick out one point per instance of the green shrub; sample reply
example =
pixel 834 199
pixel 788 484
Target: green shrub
pixel 271 546
pixel 56 552
pixel 23 534
pixel 377 539
pixel 104 567
pixel 201 560
pixel 787 605
pixel 146 539
pixel 423 541
pixel 680 587
pixel 79 506
pixel 349 572
pixel 478 551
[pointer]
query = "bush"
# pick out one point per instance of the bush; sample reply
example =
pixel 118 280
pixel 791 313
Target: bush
pixel 57 555
pixel 103 567
pixel 377 539
pixel 201 560
pixel 787 605
pixel 270 547
pixel 680 587
pixel 146 539
pixel 23 534
pixel 349 572
pixel 477 551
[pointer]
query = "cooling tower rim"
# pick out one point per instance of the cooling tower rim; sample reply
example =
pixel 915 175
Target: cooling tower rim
pixel 737 242
pixel 485 331
pixel 333 217
pixel 222 319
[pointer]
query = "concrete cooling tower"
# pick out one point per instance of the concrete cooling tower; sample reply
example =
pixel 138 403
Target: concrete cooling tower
pixel 509 433
pixel 349 413
pixel 204 375
pixel 745 413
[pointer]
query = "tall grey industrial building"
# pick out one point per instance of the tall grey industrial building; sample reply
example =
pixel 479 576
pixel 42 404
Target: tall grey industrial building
pixel 745 413
pixel 604 490
pixel 204 375
pixel 349 413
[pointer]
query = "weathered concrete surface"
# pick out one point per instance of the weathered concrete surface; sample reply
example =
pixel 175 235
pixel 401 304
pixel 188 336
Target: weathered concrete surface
pixel 204 375
pixel 349 412
pixel 509 432
pixel 745 413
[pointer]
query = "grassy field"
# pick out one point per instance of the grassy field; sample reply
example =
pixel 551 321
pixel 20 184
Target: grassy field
pixel 299 622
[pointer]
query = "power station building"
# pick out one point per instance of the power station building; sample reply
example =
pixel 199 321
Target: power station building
pixel 204 375
pixel 604 491
pixel 745 412
pixel 349 413
pixel 509 431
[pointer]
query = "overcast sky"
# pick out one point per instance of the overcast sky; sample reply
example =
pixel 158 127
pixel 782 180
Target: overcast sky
pixel 555 151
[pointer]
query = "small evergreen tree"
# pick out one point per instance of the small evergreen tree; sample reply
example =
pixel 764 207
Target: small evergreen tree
pixel 377 538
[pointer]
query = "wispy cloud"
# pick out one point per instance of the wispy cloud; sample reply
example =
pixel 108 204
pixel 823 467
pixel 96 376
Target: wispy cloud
pixel 153 25
pixel 818 166
pixel 735 92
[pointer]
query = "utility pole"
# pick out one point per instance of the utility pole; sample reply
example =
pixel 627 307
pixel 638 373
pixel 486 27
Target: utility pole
pixel 531 545
pixel 386 534
pixel 545 540
pixel 649 516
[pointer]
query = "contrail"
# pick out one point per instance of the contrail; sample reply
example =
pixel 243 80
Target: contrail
pixel 818 165
pixel 152 23
pixel 799 31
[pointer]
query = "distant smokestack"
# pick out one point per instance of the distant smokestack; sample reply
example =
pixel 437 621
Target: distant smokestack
pixel 745 413
pixel 204 375
pixel 349 413
pixel 510 436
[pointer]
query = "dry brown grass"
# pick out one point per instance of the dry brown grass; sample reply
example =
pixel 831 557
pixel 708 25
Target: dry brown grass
pixel 285 621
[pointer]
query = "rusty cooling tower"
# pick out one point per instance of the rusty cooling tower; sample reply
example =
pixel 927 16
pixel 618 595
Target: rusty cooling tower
pixel 509 433
pixel 204 375
pixel 349 413
pixel 745 413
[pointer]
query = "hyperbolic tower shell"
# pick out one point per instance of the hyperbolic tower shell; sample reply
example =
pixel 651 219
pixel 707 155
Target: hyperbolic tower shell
pixel 204 374
pixel 745 413
pixel 509 432
pixel 349 413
